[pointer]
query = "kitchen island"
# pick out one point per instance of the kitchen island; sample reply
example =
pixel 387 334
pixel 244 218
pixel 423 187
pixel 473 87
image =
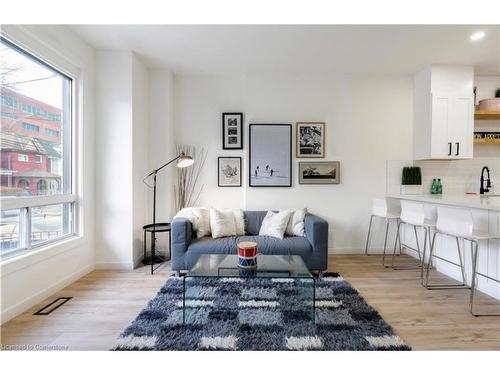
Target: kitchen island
pixel 485 211
pixel 474 201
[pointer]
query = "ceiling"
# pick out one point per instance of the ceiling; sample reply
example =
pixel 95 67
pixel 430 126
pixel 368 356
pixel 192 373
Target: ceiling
pixel 360 49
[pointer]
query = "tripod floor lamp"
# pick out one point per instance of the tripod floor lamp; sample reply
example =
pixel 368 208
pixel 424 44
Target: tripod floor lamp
pixel 183 161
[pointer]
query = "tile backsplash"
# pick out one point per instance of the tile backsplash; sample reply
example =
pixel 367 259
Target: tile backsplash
pixel 457 176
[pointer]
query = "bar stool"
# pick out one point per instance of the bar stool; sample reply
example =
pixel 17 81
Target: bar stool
pixel 458 223
pixel 380 210
pixel 413 214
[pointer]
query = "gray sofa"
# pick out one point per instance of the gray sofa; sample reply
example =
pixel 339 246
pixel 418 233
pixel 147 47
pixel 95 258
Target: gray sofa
pixel 313 248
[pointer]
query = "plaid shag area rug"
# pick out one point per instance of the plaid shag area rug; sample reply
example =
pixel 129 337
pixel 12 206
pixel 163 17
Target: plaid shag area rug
pixel 259 314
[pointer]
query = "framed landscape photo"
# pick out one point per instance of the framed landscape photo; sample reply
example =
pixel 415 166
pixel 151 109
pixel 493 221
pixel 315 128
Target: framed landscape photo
pixel 310 139
pixel 232 131
pixel 229 171
pixel 270 155
pixel 319 172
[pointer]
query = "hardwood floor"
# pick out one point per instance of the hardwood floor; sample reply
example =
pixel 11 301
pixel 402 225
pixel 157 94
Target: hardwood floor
pixel 105 302
pixel 425 319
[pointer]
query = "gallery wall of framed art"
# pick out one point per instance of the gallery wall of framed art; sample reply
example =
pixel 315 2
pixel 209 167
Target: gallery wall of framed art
pixel 310 139
pixel 270 155
pixel 232 131
pixel 319 172
pixel 229 171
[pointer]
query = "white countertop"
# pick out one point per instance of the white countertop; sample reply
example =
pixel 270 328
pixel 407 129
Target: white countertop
pixel 467 200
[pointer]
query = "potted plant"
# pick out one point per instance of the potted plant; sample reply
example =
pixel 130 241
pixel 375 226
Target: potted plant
pixel 411 180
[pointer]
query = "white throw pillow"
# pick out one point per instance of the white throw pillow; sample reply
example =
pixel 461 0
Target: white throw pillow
pixel 199 218
pixel 202 215
pixel 295 225
pixel 222 223
pixel 239 219
pixel 274 224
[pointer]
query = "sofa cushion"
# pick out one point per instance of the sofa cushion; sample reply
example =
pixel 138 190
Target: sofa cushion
pixel 199 218
pixel 222 223
pixel 265 245
pixel 253 221
pixel 276 246
pixel 209 245
pixel 295 225
pixel 275 223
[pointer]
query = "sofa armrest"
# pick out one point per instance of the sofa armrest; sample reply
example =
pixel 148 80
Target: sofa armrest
pixel 316 230
pixel 181 235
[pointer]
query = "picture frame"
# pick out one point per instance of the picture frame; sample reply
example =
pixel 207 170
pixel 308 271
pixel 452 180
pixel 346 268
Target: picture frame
pixel 310 139
pixel 270 155
pixel 232 131
pixel 319 172
pixel 229 171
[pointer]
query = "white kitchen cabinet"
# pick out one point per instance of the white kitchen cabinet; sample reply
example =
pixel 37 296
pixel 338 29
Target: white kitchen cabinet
pixel 443 113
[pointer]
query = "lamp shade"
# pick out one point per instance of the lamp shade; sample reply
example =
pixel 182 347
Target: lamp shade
pixel 184 161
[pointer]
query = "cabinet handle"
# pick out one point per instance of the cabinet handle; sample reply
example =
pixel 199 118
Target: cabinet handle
pixel 449 148
pixel 458 148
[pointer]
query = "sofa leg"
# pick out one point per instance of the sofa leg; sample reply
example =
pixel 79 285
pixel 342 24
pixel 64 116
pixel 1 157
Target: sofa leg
pixel 177 273
pixel 320 274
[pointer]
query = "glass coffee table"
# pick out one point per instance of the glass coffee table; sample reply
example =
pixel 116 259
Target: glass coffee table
pixel 223 266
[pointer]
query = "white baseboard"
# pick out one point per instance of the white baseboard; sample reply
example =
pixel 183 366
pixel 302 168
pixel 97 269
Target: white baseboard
pixel 137 261
pixel 114 265
pixel 29 302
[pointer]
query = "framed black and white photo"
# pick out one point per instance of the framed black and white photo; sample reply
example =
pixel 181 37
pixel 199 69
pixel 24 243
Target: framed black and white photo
pixel 232 131
pixel 310 139
pixel 270 155
pixel 229 171
pixel 319 172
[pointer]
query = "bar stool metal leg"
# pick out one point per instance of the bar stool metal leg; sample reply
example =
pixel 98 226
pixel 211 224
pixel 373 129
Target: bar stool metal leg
pixel 418 245
pixel 431 251
pixel 386 232
pixel 398 240
pixel 444 286
pixel 462 268
pixel 474 247
pixel 422 261
pixel 473 280
pixel 409 266
pixel 368 235
pixel 425 264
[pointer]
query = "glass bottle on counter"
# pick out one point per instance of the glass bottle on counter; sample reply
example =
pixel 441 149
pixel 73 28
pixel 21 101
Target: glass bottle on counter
pixel 434 186
pixel 439 187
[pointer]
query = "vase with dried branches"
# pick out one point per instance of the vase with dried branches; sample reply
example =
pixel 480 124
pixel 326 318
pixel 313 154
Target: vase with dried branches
pixel 186 189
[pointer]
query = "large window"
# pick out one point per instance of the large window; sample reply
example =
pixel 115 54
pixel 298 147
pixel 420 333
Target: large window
pixel 36 191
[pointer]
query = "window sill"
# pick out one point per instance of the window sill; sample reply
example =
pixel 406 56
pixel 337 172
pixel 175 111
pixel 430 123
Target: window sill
pixel 27 258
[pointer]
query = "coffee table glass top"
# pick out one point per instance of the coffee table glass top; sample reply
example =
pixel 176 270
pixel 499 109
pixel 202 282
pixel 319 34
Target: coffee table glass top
pixel 224 265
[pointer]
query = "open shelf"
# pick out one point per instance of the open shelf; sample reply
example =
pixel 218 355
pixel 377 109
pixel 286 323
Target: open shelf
pixel 487 141
pixel 486 115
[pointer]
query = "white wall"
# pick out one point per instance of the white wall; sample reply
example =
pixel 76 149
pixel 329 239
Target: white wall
pixel 368 121
pixel 161 149
pixel 140 121
pixel 122 143
pixel 26 281
pixel 114 189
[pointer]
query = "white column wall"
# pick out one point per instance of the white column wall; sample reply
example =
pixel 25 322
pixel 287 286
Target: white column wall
pixel 114 189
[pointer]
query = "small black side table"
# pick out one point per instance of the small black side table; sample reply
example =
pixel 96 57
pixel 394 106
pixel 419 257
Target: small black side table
pixel 153 258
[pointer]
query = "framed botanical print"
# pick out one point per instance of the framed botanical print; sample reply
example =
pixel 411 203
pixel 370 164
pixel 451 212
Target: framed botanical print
pixel 270 155
pixel 229 171
pixel 310 139
pixel 232 131
pixel 319 172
